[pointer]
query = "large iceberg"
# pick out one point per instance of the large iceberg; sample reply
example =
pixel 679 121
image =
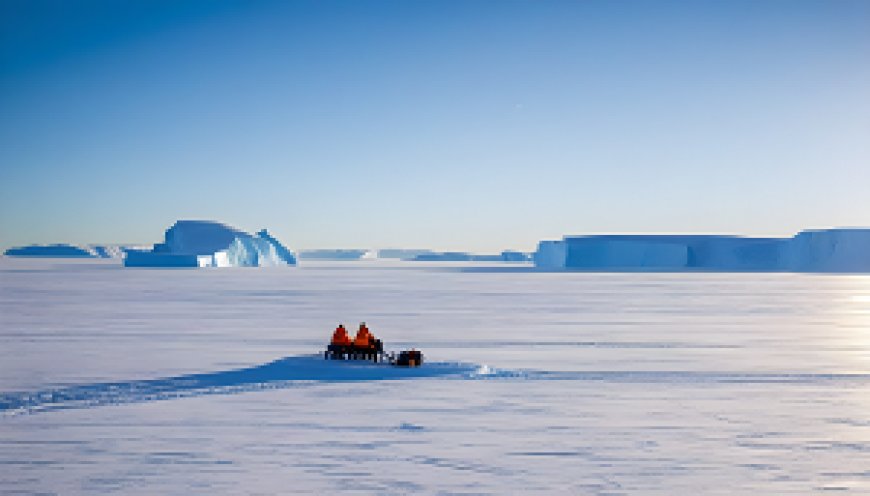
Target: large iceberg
pixel 832 250
pixel 195 243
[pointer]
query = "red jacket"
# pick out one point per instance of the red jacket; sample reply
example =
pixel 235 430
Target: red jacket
pixel 363 338
pixel 340 336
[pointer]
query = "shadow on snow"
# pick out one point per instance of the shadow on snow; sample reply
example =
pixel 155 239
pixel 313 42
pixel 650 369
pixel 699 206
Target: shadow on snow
pixel 281 373
pixel 313 369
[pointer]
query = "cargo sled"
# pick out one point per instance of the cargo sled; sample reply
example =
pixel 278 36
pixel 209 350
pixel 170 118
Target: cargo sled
pixel 373 353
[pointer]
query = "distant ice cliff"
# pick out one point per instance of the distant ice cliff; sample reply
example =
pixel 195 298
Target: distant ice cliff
pixel 333 254
pixel 831 250
pixel 458 256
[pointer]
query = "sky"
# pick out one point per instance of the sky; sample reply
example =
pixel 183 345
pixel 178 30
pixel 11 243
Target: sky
pixel 452 125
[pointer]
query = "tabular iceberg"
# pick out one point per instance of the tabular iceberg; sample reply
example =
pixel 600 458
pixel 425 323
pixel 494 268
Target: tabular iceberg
pixel 400 253
pixel 550 255
pixel 59 251
pixel 832 250
pixel 69 251
pixel 333 254
pixel 457 256
pixel 194 243
pixel 361 254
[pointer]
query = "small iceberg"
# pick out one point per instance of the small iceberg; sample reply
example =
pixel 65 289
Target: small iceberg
pixel 68 251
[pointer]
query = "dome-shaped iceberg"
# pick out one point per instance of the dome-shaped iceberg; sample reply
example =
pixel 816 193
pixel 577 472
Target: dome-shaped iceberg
pixel 197 243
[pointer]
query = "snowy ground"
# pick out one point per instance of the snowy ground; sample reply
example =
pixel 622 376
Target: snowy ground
pixel 160 381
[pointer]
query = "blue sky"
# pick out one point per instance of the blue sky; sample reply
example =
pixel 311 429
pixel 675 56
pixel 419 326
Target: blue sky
pixel 475 125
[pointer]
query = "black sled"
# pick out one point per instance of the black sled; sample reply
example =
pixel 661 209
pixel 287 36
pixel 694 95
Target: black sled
pixel 374 353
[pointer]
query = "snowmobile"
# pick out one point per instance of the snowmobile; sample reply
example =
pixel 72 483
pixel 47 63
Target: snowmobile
pixel 374 353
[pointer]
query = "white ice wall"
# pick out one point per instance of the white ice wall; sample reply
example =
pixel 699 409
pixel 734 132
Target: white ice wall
pixel 595 253
pixel 832 250
pixel 550 255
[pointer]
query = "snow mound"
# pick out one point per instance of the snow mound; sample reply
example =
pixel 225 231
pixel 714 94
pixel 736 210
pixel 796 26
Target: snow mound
pixel 194 243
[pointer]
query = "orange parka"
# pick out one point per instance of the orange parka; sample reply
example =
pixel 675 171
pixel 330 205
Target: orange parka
pixel 363 339
pixel 340 336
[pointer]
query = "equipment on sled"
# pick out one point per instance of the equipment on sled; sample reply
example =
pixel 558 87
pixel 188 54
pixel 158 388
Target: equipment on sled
pixel 367 348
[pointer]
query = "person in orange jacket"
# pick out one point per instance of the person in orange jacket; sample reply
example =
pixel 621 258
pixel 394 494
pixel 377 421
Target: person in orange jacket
pixel 340 337
pixel 364 338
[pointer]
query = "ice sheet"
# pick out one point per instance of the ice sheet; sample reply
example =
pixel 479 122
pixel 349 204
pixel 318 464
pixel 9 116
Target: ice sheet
pixel 207 381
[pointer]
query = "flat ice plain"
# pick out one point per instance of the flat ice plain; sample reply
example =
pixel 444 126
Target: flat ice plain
pixel 177 381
